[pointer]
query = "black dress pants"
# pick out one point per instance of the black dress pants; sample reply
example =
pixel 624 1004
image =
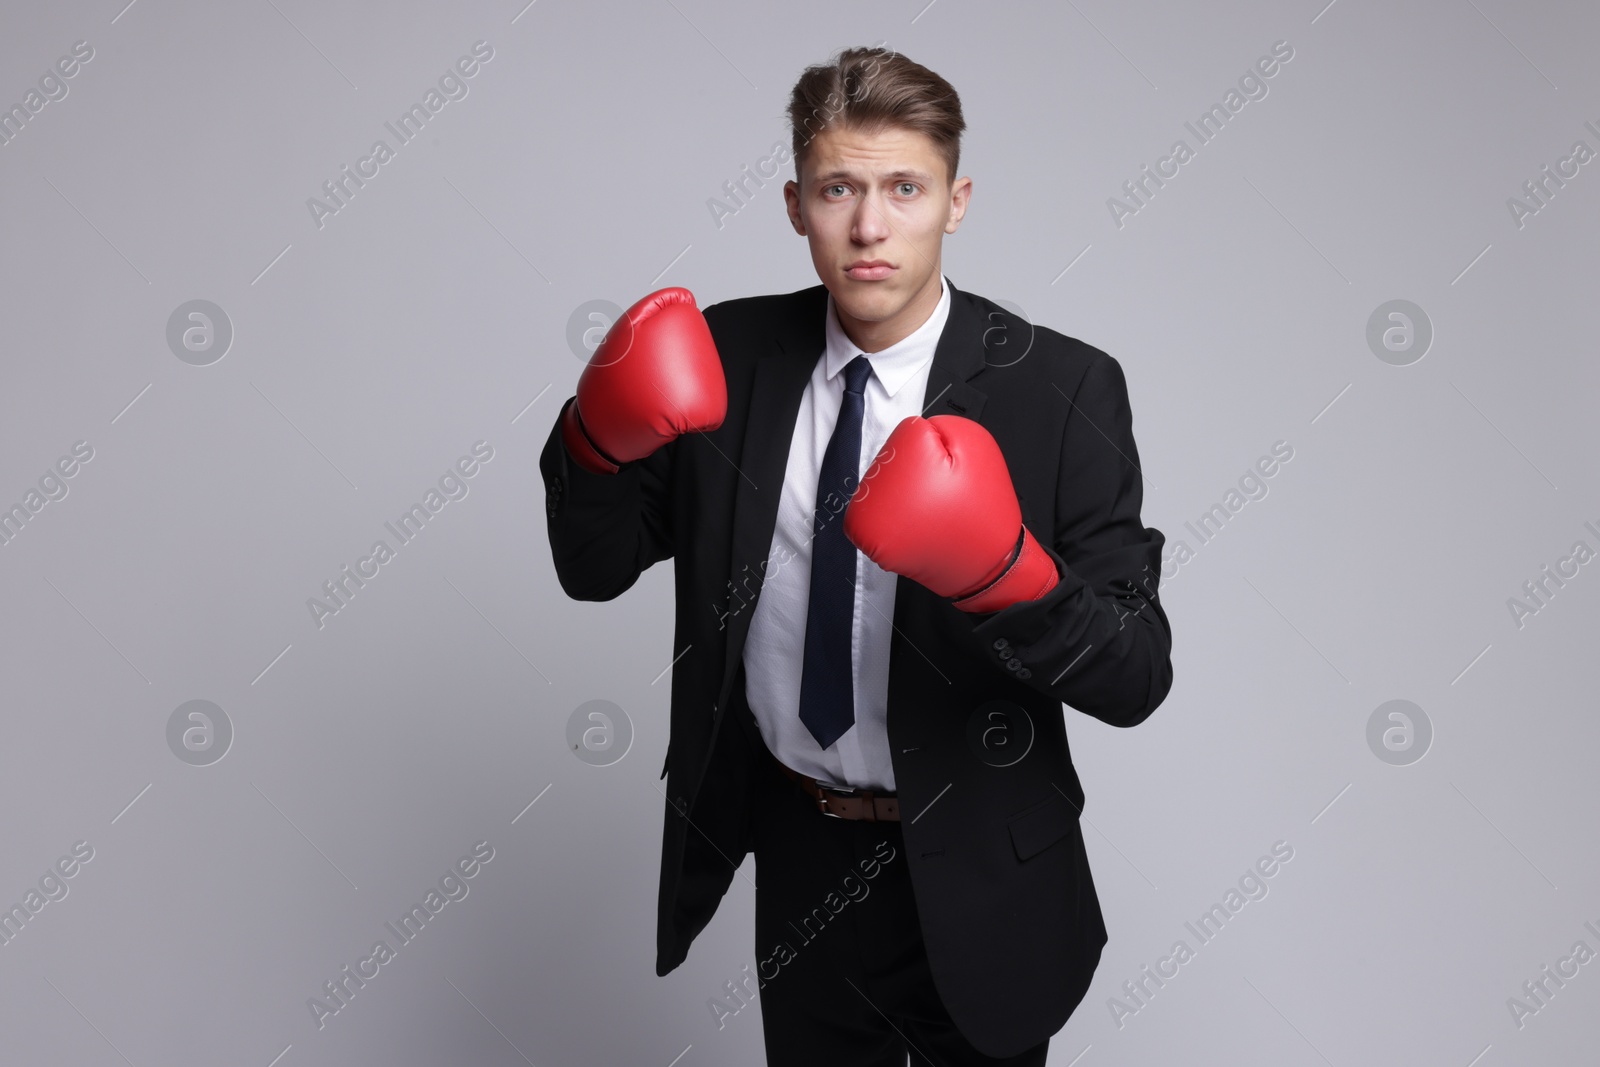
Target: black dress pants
pixel 839 951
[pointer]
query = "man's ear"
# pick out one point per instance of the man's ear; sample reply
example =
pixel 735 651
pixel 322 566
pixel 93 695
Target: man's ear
pixel 960 194
pixel 791 200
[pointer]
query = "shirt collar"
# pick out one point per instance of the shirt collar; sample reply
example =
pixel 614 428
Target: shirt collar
pixel 895 365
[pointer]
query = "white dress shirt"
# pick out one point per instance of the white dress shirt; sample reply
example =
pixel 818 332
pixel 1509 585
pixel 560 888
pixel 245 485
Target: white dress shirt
pixel 774 651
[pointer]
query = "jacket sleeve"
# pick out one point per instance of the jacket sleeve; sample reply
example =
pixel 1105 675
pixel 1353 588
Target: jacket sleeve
pixel 606 529
pixel 1099 640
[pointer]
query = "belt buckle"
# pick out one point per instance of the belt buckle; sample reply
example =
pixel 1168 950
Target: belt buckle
pixel 822 798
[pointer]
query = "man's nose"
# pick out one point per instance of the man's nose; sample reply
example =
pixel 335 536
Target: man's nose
pixel 869 225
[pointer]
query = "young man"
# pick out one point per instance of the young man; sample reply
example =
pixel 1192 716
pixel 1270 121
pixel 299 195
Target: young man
pixel 905 531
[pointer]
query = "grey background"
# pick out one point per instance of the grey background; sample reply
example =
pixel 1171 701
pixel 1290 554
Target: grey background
pixel 431 313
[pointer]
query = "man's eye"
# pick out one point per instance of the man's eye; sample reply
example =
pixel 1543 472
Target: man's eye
pixel 829 190
pixel 907 189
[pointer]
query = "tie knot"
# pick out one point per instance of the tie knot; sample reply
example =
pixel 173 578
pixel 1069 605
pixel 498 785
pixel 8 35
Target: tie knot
pixel 856 373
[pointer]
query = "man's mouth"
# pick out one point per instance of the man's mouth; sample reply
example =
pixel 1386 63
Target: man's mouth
pixel 869 270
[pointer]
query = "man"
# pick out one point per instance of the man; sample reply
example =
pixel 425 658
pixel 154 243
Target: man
pixel 905 530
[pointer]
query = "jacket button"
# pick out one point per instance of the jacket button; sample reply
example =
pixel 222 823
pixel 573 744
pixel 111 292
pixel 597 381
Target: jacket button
pixel 1013 663
pixel 1000 643
pixel 1024 673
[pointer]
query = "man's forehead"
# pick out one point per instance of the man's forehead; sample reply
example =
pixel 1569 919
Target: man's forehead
pixel 892 152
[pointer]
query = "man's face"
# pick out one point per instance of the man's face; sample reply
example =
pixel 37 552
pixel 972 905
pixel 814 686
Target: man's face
pixel 875 208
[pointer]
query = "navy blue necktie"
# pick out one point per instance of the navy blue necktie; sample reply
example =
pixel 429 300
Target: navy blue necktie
pixel 827 695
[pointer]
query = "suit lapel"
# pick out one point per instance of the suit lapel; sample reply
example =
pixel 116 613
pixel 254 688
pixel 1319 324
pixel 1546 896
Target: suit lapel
pixel 775 394
pixel 779 383
pixel 958 356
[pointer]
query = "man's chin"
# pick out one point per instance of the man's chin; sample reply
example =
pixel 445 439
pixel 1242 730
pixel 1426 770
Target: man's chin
pixel 867 304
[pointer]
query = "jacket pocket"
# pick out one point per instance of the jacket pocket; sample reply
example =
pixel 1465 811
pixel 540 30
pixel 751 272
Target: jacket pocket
pixel 1039 827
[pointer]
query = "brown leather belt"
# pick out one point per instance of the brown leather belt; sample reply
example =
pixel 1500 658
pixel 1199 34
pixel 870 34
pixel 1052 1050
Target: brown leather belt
pixel 868 804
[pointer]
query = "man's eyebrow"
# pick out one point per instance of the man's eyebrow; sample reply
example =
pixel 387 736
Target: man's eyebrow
pixel 839 175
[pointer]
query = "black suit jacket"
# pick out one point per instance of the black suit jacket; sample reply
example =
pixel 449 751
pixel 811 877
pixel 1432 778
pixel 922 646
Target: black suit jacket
pixel 1010 918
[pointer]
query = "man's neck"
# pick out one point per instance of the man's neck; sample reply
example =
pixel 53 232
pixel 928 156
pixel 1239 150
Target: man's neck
pixel 876 336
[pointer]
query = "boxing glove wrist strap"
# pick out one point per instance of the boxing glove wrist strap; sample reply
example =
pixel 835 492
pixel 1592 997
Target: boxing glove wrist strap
pixel 1031 575
pixel 584 452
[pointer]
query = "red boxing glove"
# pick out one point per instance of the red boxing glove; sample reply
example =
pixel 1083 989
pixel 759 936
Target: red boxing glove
pixel 655 376
pixel 937 506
